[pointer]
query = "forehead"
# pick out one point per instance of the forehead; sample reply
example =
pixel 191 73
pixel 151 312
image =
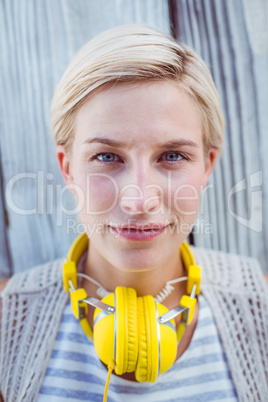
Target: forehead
pixel 145 112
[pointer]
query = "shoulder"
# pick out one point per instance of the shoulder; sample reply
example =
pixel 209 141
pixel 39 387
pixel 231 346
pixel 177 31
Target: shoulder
pixel 32 304
pixel 34 280
pixel 228 270
pixel 215 258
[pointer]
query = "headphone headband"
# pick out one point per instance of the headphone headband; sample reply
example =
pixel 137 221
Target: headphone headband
pixel 77 249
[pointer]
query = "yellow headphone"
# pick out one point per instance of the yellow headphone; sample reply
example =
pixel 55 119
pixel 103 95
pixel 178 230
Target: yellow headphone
pixel 133 333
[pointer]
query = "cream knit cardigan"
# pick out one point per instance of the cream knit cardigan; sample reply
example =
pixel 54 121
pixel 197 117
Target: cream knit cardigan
pixel 33 303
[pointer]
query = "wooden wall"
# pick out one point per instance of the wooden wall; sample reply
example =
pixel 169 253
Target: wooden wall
pixel 232 37
pixel 37 41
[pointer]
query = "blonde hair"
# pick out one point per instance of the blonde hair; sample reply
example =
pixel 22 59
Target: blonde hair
pixel 135 54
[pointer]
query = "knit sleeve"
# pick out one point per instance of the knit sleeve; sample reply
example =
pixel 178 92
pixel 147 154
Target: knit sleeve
pixel 237 293
pixel 32 306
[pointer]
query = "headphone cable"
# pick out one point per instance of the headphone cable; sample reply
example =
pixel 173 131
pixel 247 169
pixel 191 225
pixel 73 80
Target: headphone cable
pixel 110 370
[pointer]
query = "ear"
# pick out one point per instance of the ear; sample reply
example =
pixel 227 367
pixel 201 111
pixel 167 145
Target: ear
pixel 210 160
pixel 64 163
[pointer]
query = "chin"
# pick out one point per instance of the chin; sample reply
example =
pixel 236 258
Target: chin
pixel 138 261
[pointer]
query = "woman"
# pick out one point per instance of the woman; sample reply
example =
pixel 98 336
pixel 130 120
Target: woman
pixel 138 128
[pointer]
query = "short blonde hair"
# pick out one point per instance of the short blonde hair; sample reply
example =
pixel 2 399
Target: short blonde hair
pixel 132 54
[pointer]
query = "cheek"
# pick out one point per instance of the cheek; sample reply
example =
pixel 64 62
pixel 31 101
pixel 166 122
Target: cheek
pixel 100 192
pixel 186 195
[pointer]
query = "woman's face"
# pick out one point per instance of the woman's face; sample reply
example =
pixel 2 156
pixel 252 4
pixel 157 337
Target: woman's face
pixel 137 168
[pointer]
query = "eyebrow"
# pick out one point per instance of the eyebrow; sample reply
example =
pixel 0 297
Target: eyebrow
pixel 107 141
pixel 178 143
pixel 120 144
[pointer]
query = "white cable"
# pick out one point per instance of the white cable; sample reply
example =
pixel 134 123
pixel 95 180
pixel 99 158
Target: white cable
pixel 101 292
pixel 162 295
pixel 90 279
pixel 183 278
pixel 167 290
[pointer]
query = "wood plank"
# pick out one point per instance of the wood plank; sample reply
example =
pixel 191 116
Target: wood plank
pixel 5 260
pixel 222 32
pixel 37 42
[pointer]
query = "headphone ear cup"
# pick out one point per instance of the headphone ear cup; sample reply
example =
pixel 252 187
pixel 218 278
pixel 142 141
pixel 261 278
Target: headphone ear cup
pixel 120 327
pixel 138 335
pixel 168 341
pixel 126 330
pixel 103 332
pixel 148 358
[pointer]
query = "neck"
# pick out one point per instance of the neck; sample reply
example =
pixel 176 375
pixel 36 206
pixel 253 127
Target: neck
pixel 149 281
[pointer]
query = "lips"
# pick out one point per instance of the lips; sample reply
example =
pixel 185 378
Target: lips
pixel 144 232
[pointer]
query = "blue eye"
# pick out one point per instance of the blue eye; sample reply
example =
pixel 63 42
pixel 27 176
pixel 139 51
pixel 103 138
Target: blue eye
pixel 107 157
pixel 172 156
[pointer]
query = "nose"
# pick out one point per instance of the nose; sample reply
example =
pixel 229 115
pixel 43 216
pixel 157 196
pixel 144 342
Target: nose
pixel 141 195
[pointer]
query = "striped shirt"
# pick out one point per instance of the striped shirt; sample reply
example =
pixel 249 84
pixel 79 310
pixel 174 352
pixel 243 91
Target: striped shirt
pixel 75 372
